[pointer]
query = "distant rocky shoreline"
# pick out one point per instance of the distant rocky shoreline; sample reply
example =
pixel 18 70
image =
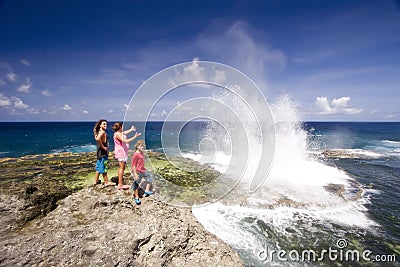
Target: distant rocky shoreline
pixel 50 216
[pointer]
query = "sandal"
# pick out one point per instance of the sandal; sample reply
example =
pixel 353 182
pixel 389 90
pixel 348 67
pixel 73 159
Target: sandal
pixel 98 182
pixel 123 187
pixel 148 193
pixel 137 201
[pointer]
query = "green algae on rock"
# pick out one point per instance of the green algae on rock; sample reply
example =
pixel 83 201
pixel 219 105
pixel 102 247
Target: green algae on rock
pixel 173 184
pixel 71 168
pixel 181 186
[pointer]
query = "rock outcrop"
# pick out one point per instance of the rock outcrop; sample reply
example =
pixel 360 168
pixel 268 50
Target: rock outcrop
pixel 101 226
pixel 349 154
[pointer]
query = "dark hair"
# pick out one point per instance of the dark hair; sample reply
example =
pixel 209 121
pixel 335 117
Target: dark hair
pixel 96 128
pixel 117 126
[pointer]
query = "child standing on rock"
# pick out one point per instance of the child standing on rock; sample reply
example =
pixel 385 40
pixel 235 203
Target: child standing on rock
pixel 139 172
pixel 101 138
pixel 121 148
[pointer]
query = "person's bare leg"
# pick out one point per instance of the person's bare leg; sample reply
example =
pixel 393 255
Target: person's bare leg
pixel 121 170
pixel 105 177
pixel 96 178
pixel 136 193
pixel 148 187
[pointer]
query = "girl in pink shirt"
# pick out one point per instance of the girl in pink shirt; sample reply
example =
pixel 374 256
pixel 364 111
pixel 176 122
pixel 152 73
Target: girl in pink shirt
pixel 121 147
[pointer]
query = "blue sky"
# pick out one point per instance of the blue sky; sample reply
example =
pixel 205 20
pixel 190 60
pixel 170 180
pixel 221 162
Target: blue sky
pixel 83 60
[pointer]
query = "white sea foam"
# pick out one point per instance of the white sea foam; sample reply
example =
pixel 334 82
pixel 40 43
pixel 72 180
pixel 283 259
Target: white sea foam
pixel 76 149
pixel 372 191
pixel 219 163
pixel 227 221
pixel 294 177
pixel 388 147
pixel 367 153
pixel 391 143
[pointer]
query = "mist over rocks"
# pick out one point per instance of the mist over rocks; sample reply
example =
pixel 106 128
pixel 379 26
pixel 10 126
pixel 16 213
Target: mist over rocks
pixel 101 226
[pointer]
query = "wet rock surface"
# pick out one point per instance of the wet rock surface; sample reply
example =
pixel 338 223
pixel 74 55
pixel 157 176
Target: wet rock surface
pixel 345 154
pixel 44 222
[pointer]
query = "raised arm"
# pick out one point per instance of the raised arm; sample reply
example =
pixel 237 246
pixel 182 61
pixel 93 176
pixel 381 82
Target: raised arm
pixel 132 129
pixel 128 140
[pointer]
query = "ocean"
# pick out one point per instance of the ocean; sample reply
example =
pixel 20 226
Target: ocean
pixel 314 208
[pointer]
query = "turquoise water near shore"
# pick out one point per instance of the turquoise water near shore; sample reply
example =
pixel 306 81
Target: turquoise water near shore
pixel 302 216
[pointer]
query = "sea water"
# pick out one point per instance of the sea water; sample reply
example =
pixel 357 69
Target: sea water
pixel 310 204
pixel 294 210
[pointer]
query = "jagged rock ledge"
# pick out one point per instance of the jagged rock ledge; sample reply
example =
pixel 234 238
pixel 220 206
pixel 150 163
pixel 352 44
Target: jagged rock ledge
pixel 100 226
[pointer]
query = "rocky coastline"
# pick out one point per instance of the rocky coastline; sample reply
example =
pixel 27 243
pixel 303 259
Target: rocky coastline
pixel 51 215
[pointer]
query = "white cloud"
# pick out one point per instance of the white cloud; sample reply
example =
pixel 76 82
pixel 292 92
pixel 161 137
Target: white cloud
pixel 12 103
pixel 46 93
pixel 12 77
pixel 340 102
pixel 158 115
pixel 323 103
pixel 351 110
pixel 195 73
pixel 33 111
pixel 25 62
pixel 66 107
pixel 85 112
pixel 4 101
pixel 336 106
pixel 25 87
pixel 2 82
pixel 110 110
pixel 51 112
pixel 219 77
pixel 18 103
pixel 191 73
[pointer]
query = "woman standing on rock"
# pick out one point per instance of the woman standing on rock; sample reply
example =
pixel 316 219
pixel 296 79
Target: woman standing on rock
pixel 101 138
pixel 121 147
